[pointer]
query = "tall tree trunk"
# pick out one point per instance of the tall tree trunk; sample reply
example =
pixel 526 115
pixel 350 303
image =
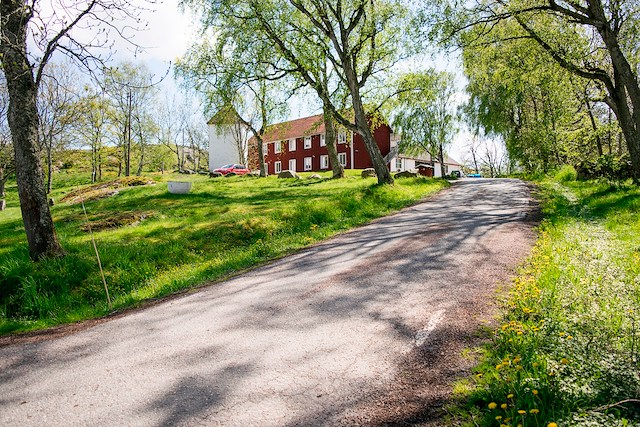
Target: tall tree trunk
pixel 261 165
pixel 49 167
pixel 330 140
pixel 23 122
pixel 441 160
pixel 594 126
pixel 362 123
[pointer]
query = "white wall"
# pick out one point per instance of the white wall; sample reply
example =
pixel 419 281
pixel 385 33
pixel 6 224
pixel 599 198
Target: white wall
pixel 222 147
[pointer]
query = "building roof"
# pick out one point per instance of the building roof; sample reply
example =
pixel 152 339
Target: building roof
pixel 298 128
pixel 427 158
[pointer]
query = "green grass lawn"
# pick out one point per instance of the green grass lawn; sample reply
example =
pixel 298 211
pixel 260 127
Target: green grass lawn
pixel 568 350
pixel 153 243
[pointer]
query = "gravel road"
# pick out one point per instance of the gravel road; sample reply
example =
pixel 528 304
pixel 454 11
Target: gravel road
pixel 364 329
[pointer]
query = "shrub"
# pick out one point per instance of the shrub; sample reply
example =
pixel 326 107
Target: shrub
pixel 567 173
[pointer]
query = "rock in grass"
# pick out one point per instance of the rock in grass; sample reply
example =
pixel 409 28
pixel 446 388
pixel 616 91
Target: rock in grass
pixel 368 173
pixel 288 174
pixel 406 174
pixel 314 176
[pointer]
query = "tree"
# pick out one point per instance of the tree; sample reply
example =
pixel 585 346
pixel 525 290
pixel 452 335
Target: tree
pixel 131 90
pixel 358 39
pixel 7 164
pixel 56 99
pixel 92 126
pixel 171 117
pixel 29 37
pixel 593 39
pixel 423 114
pixel 238 89
pixel 541 111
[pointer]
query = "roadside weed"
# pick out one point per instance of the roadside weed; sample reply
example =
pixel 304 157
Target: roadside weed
pixel 567 350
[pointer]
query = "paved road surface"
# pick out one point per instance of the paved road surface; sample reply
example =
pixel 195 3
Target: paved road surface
pixel 332 335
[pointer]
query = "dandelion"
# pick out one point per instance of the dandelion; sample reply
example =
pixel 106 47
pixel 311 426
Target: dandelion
pixel 552 425
pixel 569 337
pixel 564 361
pixel 522 411
pixel 479 375
pixel 510 396
pixel 499 417
pixel 493 405
pixel 534 411
pixel 534 392
pixel 504 406
pixel 517 359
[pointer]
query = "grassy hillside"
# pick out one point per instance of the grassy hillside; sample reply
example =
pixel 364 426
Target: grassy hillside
pixel 568 350
pixel 153 243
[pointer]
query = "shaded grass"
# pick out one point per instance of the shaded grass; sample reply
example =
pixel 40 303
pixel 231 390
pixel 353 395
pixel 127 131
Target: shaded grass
pixel 568 350
pixel 175 242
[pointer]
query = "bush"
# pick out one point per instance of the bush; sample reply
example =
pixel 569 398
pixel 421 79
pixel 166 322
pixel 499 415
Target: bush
pixel 566 173
pixel 609 166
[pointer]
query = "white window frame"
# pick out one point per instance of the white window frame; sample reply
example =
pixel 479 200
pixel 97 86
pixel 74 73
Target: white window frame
pixel 265 148
pixel 323 140
pixel 278 167
pixel 292 162
pixel 292 144
pixel 342 158
pixel 308 163
pixel 398 163
pixel 307 142
pixel 342 137
pixel 324 161
pixel 277 147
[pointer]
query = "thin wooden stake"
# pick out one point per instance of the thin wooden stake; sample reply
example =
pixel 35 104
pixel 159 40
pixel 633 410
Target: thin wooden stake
pixel 104 281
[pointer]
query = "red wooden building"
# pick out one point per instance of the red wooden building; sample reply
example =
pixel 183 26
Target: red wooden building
pixel 300 145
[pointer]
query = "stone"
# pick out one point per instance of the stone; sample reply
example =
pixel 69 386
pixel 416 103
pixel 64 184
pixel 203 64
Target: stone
pixel 406 174
pixel 188 172
pixel 288 174
pixel 314 176
pixel 368 173
pixel 215 174
pixel 52 202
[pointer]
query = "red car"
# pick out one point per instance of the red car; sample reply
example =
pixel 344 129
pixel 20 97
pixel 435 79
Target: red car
pixel 232 169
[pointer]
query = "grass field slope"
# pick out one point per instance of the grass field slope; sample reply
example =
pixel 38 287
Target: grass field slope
pixel 153 243
pixel 567 352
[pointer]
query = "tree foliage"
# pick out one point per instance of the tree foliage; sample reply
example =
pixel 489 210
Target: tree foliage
pixel 594 42
pixel 424 114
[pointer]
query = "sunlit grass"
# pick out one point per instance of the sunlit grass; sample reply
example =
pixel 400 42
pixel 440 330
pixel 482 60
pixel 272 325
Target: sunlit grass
pixel 160 243
pixel 568 351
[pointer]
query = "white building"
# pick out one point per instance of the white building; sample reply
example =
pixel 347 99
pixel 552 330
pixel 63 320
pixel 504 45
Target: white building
pixel 227 142
pixel 402 162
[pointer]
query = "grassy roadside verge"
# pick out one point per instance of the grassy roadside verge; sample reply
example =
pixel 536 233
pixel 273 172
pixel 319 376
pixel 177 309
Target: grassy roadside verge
pixel 568 349
pixel 153 243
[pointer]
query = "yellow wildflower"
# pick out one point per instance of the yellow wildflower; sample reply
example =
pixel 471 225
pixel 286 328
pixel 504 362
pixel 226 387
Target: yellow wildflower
pixel 504 406
pixel 499 417
pixel 510 396
pixel 534 411
pixel 522 411
pixel 552 425
pixel 564 361
pixel 493 405
pixel 534 392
